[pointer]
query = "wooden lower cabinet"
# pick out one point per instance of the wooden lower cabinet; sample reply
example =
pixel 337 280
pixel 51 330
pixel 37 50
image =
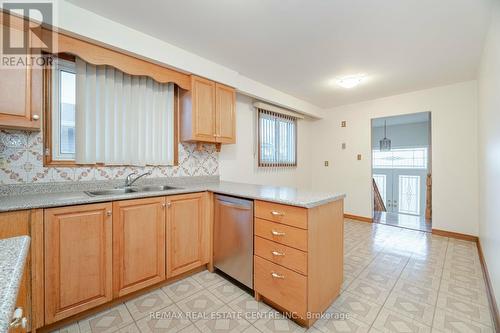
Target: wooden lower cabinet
pixel 300 270
pixel 138 244
pixel 78 259
pixel 13 224
pixel 188 232
pixel 87 255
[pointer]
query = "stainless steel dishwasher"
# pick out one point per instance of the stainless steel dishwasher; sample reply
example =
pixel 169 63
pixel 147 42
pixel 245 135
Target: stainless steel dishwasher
pixel 233 238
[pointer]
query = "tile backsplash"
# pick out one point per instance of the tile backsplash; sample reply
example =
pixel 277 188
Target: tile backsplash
pixel 21 161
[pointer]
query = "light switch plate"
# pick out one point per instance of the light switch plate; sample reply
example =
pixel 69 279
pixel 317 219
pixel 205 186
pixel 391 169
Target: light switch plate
pixel 327 163
pixel 343 123
pixel 359 157
pixel 344 145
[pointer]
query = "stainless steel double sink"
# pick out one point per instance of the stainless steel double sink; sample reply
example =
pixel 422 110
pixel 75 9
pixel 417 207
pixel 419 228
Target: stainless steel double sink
pixel 134 189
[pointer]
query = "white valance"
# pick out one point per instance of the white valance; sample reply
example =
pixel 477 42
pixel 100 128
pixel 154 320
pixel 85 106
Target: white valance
pixel 122 119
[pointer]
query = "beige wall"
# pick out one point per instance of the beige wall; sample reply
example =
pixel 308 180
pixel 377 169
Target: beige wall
pixel 237 162
pixel 454 152
pixel 489 150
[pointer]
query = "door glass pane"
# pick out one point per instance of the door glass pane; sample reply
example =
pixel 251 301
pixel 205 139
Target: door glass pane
pixel 381 181
pixel 409 194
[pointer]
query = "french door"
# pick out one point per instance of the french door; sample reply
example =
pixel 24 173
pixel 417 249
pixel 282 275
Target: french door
pixel 402 190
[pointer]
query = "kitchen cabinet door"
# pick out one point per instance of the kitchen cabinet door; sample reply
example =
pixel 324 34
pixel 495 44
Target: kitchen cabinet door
pixel 187 232
pixel 203 99
pixel 14 224
pixel 78 259
pixel 225 114
pixel 138 244
pixel 20 88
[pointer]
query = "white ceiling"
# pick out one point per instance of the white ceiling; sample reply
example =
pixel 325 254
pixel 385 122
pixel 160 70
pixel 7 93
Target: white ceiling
pixel 299 46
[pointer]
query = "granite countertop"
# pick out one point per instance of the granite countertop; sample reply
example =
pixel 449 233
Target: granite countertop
pixel 13 252
pixel 61 197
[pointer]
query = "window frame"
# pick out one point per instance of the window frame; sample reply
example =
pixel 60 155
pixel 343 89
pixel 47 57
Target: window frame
pixel 59 66
pixel 425 159
pixel 280 164
pixel 49 132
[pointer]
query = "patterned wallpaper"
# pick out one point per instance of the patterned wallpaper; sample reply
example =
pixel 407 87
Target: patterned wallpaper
pixel 21 161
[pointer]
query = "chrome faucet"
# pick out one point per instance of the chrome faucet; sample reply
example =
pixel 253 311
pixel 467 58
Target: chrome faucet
pixel 129 181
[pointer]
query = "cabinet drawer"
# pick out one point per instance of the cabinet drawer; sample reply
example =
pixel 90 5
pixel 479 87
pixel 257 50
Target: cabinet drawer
pixel 290 215
pixel 282 255
pixel 281 285
pixel 283 234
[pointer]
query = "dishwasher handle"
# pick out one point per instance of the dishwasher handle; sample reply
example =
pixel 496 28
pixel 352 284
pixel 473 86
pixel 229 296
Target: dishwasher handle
pixel 234 205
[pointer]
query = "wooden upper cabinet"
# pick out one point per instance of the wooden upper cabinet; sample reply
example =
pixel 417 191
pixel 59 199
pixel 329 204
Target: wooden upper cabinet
pixel 187 232
pixel 20 90
pixel 78 259
pixel 204 109
pixel 138 244
pixel 208 112
pixel 225 114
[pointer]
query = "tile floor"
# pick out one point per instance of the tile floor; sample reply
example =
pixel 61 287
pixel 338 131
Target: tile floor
pixel 403 220
pixel 396 280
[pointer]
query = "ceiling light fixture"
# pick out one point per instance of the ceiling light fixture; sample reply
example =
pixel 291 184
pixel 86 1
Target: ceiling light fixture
pixel 385 144
pixel 350 81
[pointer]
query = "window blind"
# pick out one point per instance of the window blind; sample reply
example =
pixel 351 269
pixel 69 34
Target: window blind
pixel 277 139
pixel 122 119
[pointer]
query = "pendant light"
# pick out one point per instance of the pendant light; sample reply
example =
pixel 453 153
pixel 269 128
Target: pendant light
pixel 385 144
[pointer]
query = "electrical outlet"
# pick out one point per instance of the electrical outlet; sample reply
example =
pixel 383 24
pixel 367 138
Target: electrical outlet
pixel 327 163
pixel 344 145
pixel 343 123
pixel 359 157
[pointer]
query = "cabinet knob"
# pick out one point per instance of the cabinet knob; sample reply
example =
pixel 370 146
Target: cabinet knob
pixel 35 117
pixel 277 233
pixel 277 276
pixel 277 254
pixel 276 213
pixel 109 213
pixel 18 320
pixel 169 204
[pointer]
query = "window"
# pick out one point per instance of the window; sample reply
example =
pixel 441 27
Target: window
pixel 63 112
pixel 101 115
pixel 408 158
pixel 409 194
pixel 277 139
